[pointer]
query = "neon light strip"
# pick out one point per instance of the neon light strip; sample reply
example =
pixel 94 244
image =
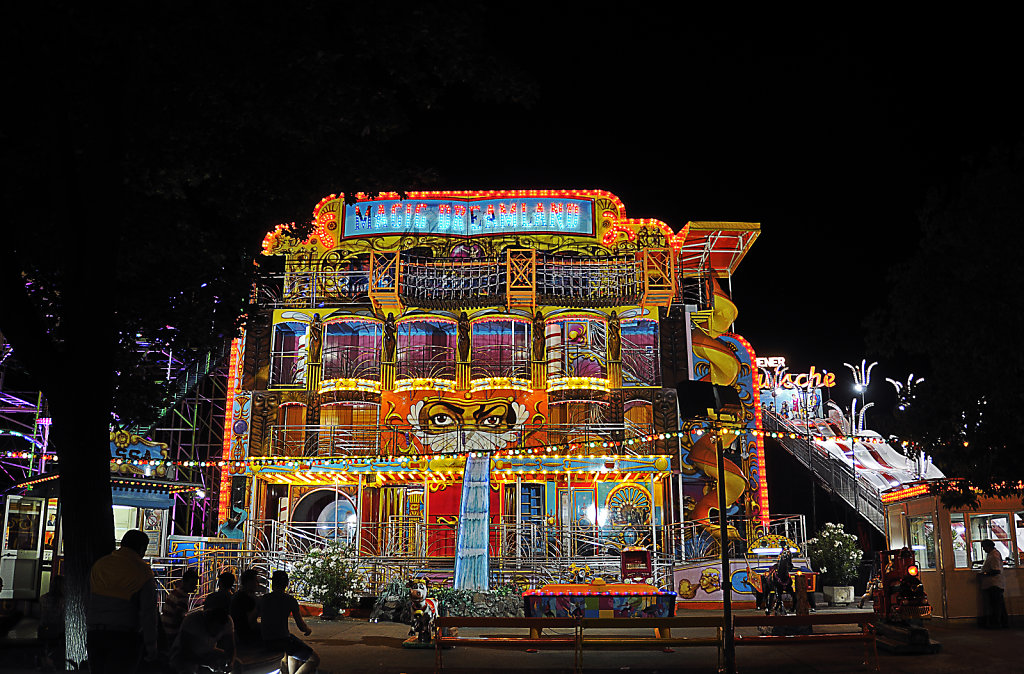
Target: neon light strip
pixel 762 482
pixel 224 507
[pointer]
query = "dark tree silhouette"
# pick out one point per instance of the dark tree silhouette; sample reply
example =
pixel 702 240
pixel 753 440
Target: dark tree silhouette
pixel 152 147
pixel 959 304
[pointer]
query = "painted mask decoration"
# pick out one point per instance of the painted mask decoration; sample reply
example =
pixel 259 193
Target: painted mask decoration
pixel 453 425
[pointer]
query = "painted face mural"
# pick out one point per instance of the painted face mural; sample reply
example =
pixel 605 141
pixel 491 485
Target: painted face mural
pixel 453 425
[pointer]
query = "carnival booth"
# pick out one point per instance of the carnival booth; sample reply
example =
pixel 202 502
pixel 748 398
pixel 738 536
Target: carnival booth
pixel 947 545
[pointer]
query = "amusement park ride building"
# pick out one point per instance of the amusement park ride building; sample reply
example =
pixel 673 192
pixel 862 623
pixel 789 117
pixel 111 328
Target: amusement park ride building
pixel 543 330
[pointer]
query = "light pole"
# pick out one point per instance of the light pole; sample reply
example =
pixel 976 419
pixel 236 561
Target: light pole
pixel 861 379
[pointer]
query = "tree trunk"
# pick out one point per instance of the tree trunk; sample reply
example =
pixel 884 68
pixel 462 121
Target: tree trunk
pixel 80 433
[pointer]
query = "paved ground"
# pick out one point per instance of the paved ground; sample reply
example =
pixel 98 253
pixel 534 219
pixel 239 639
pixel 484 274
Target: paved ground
pixel 357 646
pixel 353 646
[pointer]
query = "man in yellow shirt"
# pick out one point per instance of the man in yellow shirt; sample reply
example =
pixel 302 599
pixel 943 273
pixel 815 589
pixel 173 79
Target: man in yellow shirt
pixel 121 614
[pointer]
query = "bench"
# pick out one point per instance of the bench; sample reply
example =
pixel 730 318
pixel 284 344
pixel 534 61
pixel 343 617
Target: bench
pixel 536 638
pixel 865 634
pixel 659 637
pixel 662 633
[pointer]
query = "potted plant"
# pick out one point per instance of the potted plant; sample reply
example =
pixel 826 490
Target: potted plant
pixel 835 555
pixel 330 577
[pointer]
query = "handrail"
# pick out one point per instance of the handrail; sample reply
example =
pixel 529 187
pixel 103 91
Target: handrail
pixel 835 475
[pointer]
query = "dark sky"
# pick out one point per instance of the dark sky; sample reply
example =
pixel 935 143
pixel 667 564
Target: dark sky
pixel 830 139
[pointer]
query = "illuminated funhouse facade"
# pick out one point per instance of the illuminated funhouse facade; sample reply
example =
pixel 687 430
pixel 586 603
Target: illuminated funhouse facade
pixel 453 374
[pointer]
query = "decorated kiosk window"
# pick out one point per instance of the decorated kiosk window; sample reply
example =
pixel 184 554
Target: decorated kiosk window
pixel 641 365
pixel 958 534
pixel 352 350
pixel 995 527
pixel 629 506
pixel 576 348
pixel 501 348
pixel 922 540
pixel 348 428
pixel 288 357
pixel 426 349
pixel 288 437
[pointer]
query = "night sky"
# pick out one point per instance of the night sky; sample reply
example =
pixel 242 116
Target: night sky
pixel 831 139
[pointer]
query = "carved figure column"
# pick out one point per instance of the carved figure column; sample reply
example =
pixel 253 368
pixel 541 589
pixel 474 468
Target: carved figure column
pixel 539 362
pixel 388 363
pixel 314 359
pixel 614 351
pixel 463 350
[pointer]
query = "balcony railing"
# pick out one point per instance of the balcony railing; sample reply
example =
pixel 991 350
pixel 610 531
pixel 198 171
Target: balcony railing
pixel 464 282
pixel 324 440
pixel 588 281
pixel 440 282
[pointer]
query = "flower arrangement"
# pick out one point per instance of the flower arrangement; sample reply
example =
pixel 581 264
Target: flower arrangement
pixel 329 576
pixel 834 553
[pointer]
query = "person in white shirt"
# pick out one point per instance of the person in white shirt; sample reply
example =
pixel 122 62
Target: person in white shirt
pixel 993 585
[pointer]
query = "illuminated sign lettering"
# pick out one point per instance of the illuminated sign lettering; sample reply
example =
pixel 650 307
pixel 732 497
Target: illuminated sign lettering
pixel 771 373
pixel 561 215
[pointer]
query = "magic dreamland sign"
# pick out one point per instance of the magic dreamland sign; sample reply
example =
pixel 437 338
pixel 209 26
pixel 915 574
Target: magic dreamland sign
pixel 470 217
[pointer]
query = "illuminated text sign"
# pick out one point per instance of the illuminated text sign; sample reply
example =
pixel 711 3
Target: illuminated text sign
pixel 771 373
pixel 470 217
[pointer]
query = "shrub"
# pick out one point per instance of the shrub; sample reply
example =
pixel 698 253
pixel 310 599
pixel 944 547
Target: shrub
pixel 834 553
pixel 329 576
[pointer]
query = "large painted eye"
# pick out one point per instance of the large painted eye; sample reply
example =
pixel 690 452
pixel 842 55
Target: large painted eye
pixel 442 419
pixel 491 421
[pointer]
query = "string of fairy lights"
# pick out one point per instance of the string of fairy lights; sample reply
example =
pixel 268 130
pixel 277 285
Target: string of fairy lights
pixel 564 450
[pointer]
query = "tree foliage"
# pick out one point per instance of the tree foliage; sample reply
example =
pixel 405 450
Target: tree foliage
pixel 154 144
pixel 959 304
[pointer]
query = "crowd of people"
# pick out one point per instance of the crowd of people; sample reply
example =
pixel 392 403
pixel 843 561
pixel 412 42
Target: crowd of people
pixel 124 627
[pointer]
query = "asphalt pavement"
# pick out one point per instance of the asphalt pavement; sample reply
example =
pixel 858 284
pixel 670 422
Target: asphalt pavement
pixel 356 646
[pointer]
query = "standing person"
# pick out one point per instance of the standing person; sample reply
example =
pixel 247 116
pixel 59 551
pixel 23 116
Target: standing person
pixel 274 609
pixel 121 616
pixel 993 585
pixel 206 638
pixel 176 604
pixel 243 610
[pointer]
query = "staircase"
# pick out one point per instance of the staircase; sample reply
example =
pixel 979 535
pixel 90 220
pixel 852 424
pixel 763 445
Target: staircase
pixel 835 476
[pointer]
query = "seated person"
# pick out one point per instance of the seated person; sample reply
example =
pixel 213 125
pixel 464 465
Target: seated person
pixel 243 611
pixel 225 586
pixel 274 609
pixel 176 605
pixel 206 638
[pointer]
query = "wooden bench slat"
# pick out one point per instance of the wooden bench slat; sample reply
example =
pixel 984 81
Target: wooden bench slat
pixel 801 620
pixel 670 641
pixel 509 641
pixel 755 639
pixel 451 621
pixel 680 621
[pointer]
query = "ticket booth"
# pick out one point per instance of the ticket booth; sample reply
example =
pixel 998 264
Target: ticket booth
pixel 947 545
pixel 30 536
